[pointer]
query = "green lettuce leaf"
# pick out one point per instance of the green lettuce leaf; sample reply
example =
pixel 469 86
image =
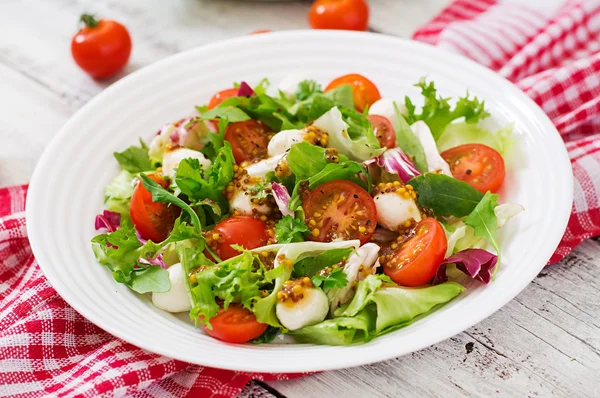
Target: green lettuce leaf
pixel 117 194
pixel 438 114
pixel 445 196
pixel 483 220
pixel 408 141
pixel 306 89
pixel 338 331
pixel 457 134
pixel 309 266
pixel 134 159
pixel 336 279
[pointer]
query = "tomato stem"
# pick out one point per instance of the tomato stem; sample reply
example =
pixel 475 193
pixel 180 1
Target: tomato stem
pixel 89 20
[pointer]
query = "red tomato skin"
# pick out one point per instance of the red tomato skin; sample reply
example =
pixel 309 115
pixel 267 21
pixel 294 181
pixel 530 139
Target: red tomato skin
pixel 240 230
pixel 235 325
pixel 387 137
pixel 365 92
pixel 423 265
pixel 152 220
pixel 222 96
pixel 491 165
pixel 257 134
pixel 339 14
pixel 102 50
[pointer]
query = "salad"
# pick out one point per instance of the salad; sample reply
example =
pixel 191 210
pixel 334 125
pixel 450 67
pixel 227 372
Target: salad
pixel 330 215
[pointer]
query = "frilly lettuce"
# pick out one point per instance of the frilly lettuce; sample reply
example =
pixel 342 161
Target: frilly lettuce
pixel 457 134
pixel 118 192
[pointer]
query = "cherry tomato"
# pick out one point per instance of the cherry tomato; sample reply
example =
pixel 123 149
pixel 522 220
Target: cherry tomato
pixel 383 131
pixel 478 165
pixel 417 259
pixel 248 139
pixel 340 210
pixel 101 48
pixel 152 220
pixel 240 230
pixel 259 31
pixel 339 14
pixel 236 324
pixel 365 91
pixel 222 96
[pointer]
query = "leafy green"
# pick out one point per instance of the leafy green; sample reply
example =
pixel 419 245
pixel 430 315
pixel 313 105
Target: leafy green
pixel 117 194
pixel 338 331
pixel 152 279
pixel 306 160
pixel 337 278
pixel 134 159
pixel 483 220
pixel 259 191
pixel 408 141
pixel 342 95
pixel 457 134
pixel 290 230
pixel 306 89
pixel 268 336
pixel 438 114
pixel 310 266
pixel 444 195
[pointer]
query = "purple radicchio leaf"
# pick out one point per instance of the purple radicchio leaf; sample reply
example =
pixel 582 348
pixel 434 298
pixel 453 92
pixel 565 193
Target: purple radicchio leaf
pixel 478 264
pixel 282 198
pixel 396 162
pixel 109 220
pixel 139 237
pixel 158 260
pixel 245 90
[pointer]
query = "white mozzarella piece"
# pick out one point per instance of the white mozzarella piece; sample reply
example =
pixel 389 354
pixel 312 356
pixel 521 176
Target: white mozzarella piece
pixel 283 141
pixel 241 201
pixel 177 298
pixel 385 107
pixel 435 162
pixel 160 141
pixel 393 210
pixel 171 160
pixel 260 169
pixel 309 310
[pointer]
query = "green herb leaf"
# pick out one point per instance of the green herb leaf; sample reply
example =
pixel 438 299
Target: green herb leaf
pixel 306 89
pixel 444 195
pixel 290 230
pixel 309 266
pixel 483 220
pixel 152 279
pixel 268 336
pixel 258 191
pixel 134 159
pixel 408 142
pixel 337 278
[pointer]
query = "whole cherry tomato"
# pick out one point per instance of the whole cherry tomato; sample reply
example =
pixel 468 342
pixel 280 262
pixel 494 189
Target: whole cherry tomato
pixel 102 47
pixel 339 14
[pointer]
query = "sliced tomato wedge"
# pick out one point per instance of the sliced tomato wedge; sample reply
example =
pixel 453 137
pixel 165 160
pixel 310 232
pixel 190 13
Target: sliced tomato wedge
pixel 236 324
pixel 384 131
pixel 240 230
pixel 417 259
pixel 249 140
pixel 222 96
pixel 340 210
pixel 152 220
pixel 478 165
pixel 365 91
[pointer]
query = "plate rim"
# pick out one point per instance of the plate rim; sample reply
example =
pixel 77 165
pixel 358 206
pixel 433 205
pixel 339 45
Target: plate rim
pixel 451 330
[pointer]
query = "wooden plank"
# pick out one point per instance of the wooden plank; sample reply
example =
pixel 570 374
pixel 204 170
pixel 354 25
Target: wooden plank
pixel 546 342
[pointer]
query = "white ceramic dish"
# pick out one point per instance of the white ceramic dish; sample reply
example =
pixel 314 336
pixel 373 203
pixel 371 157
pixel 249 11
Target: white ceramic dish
pixel 66 190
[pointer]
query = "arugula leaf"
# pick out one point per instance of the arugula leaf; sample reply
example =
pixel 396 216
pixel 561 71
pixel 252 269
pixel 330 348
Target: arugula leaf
pixel 306 160
pixel 152 279
pixel 408 142
pixel 262 86
pixel 198 183
pixel 159 194
pixel 290 230
pixel 483 220
pixel 306 89
pixel 444 195
pixel 436 111
pixel 337 278
pixel 309 266
pixel 230 113
pixel 268 336
pixel 134 159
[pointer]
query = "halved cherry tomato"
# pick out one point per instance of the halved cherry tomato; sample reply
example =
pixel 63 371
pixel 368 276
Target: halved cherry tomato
pixel 236 324
pixel 365 91
pixel 478 165
pixel 383 131
pixel 340 210
pixel 249 140
pixel 221 96
pixel 153 220
pixel 417 259
pixel 339 14
pixel 240 230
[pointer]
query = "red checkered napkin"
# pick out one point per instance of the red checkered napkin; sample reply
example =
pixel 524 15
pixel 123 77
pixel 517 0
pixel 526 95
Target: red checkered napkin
pixel 551 52
pixel 48 349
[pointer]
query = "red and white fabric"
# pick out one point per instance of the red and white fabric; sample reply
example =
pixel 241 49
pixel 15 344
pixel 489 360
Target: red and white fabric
pixel 552 52
pixel 48 349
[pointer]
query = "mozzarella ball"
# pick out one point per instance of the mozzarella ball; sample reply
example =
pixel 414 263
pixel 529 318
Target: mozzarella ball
pixel 283 141
pixel 160 141
pixel 435 162
pixel 260 169
pixel 171 160
pixel 177 298
pixel 394 210
pixel 312 308
pixel 241 201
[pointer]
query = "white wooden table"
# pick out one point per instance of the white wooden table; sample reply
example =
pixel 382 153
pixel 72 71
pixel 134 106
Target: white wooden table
pixel 546 342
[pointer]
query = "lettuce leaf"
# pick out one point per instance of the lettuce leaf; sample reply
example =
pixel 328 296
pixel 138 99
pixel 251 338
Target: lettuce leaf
pixel 134 159
pixel 310 266
pixel 438 114
pixel 117 194
pixel 338 331
pixel 457 134
pixel 484 222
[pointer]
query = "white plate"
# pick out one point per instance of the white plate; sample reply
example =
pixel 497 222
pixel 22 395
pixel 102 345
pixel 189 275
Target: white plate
pixel 66 190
